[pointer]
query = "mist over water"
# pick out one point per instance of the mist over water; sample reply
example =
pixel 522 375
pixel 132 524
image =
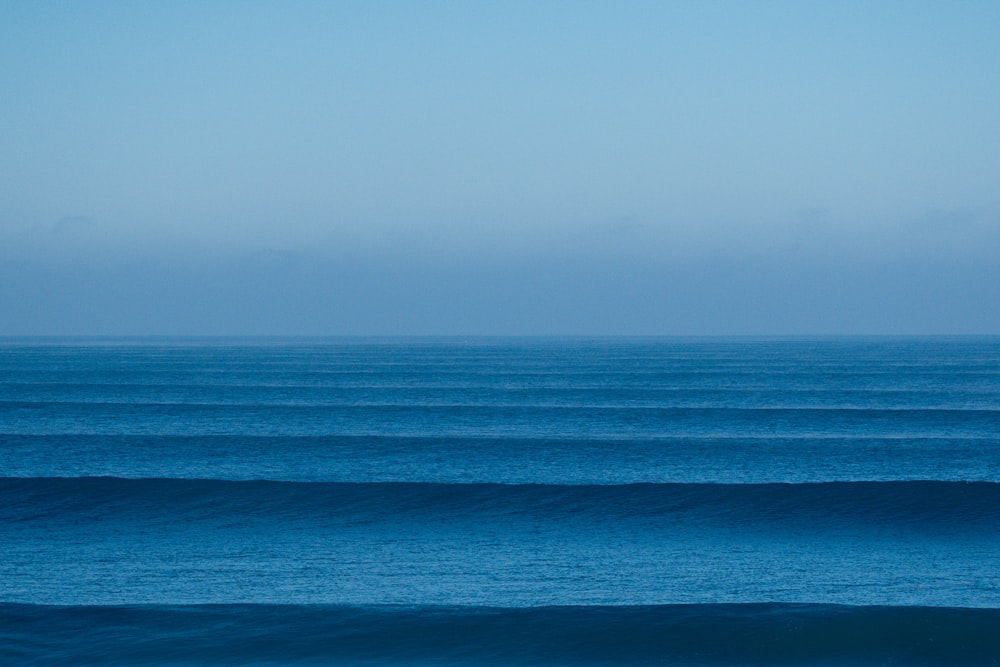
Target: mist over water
pixel 301 293
pixel 666 169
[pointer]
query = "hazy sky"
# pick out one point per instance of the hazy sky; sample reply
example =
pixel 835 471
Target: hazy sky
pixel 505 168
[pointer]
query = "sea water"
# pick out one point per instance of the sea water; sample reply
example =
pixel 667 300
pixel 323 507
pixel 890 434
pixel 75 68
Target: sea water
pixel 500 501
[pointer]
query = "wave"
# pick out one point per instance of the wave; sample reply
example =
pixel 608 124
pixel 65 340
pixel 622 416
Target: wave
pixel 626 410
pixel 926 506
pixel 701 634
pixel 735 458
pixel 27 417
pixel 251 392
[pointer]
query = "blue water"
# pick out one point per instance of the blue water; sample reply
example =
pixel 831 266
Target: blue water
pixel 500 501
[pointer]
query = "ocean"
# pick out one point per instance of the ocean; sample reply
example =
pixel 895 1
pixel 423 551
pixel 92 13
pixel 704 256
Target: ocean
pixel 498 501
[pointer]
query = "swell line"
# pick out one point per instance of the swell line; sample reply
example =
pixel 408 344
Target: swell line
pixel 688 458
pixel 703 634
pixel 502 407
pixel 481 421
pixel 918 505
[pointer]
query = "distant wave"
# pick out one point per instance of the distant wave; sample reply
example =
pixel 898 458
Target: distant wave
pixel 915 505
pixel 705 634
pixel 75 417
pixel 930 414
pixel 730 458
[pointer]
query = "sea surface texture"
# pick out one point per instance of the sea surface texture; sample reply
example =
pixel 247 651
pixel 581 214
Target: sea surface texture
pixel 500 501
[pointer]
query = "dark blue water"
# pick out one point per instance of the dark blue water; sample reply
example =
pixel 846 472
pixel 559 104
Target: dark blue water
pixel 495 501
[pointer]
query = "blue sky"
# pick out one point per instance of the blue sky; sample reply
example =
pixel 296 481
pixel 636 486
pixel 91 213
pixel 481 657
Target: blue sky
pixel 499 168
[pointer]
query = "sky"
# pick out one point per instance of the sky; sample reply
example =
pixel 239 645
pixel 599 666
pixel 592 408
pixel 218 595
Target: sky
pixel 499 168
